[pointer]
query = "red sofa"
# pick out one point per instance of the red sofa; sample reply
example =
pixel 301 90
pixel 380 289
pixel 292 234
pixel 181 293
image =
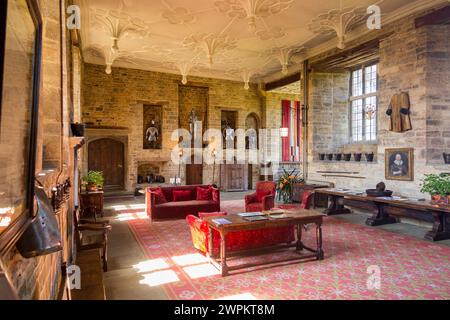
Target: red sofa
pixel 239 240
pixel 179 210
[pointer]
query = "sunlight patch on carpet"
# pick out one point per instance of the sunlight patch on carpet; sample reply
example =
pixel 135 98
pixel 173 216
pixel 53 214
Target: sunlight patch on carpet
pixel 159 278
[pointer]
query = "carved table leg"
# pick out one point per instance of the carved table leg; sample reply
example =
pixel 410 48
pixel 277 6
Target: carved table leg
pixel 336 206
pixel 380 216
pixel 299 238
pixel 320 253
pixel 441 227
pixel 223 254
pixel 210 243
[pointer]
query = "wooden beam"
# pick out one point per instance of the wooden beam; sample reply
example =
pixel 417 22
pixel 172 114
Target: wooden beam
pixel 283 82
pixel 441 16
pixel 352 57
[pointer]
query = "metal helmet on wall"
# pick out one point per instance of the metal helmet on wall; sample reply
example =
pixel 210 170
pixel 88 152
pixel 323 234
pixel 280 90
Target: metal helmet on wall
pixel 42 237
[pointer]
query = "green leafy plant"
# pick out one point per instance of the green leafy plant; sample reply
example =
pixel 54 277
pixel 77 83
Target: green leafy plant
pixel 94 178
pixel 435 184
pixel 285 185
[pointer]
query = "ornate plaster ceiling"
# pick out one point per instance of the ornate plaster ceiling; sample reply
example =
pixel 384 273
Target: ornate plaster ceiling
pixel 244 40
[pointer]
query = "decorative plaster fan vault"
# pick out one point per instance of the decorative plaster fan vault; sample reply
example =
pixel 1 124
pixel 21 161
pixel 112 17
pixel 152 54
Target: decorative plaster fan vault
pixel 243 40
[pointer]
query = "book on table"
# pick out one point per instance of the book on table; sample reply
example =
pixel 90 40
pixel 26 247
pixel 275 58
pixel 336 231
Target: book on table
pixel 279 216
pixel 221 221
pixel 274 212
pixel 250 214
pixel 256 218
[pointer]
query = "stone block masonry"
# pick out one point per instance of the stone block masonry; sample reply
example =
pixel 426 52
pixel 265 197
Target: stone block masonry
pixel 117 100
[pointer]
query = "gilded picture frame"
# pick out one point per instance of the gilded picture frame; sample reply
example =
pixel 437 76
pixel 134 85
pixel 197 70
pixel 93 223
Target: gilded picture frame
pixel 399 164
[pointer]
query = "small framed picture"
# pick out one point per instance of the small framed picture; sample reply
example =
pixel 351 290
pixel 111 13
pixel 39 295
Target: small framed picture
pixel 400 164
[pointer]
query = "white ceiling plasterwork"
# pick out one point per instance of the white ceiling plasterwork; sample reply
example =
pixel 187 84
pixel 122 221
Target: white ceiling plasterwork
pixel 241 40
pixel 339 22
pixel 252 9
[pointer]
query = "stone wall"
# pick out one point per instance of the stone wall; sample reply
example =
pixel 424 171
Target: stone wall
pixel 116 100
pixel 38 278
pixel 411 60
pixel 273 115
pixel 437 57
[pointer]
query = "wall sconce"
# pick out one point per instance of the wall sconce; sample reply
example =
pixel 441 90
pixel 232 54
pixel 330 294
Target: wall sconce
pixel 284 132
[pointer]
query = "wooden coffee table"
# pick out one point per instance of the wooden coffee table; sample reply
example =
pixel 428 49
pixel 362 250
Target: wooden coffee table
pixel 298 218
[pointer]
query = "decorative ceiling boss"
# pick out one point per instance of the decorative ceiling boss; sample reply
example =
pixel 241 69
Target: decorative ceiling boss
pixel 283 55
pixel 210 44
pixel 338 21
pixel 247 75
pixel 118 25
pixel 252 9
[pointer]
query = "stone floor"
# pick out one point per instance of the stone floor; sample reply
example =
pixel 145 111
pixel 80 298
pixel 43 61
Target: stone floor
pixel 122 280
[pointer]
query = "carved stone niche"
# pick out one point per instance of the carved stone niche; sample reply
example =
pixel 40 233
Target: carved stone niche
pixel 153 118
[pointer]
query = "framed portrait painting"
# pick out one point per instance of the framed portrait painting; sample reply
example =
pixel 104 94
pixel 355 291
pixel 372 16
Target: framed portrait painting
pixel 399 164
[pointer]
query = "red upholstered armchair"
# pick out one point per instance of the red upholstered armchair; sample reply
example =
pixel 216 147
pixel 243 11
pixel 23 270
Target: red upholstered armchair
pixel 307 200
pixel 263 199
pixel 239 240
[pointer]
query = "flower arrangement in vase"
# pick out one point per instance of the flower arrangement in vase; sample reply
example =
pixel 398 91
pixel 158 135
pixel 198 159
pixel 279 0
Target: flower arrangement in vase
pixel 285 185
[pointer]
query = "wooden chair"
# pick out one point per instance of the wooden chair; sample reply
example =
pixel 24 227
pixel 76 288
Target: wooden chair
pixel 92 235
pixel 307 203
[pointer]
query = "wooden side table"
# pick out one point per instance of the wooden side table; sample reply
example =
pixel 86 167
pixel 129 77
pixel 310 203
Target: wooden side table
pixel 319 199
pixel 92 203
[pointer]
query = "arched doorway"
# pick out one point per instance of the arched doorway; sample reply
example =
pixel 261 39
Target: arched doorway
pixel 107 155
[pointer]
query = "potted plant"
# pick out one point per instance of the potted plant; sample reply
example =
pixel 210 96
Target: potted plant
pixel 285 185
pixel 93 181
pixel 438 186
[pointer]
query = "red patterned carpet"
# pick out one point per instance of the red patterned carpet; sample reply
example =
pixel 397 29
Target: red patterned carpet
pixel 410 268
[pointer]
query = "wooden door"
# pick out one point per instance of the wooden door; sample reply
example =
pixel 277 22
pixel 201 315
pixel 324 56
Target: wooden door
pixel 194 174
pixel 107 156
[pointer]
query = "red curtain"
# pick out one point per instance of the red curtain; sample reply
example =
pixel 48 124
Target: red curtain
pixel 299 129
pixel 286 123
pixel 291 119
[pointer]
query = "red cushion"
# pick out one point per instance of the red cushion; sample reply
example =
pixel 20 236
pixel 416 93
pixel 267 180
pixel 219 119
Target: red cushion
pixel 260 194
pixel 182 195
pixel 160 197
pixel 204 193
pixel 203 215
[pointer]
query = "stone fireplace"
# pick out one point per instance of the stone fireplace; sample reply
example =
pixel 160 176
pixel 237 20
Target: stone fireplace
pixel 152 173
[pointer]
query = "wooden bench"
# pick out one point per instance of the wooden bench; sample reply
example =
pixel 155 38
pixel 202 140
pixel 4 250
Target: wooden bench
pixel 385 211
pixel 92 287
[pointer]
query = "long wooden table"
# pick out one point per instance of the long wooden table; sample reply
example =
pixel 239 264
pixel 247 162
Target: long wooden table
pixel 298 218
pixel 386 210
